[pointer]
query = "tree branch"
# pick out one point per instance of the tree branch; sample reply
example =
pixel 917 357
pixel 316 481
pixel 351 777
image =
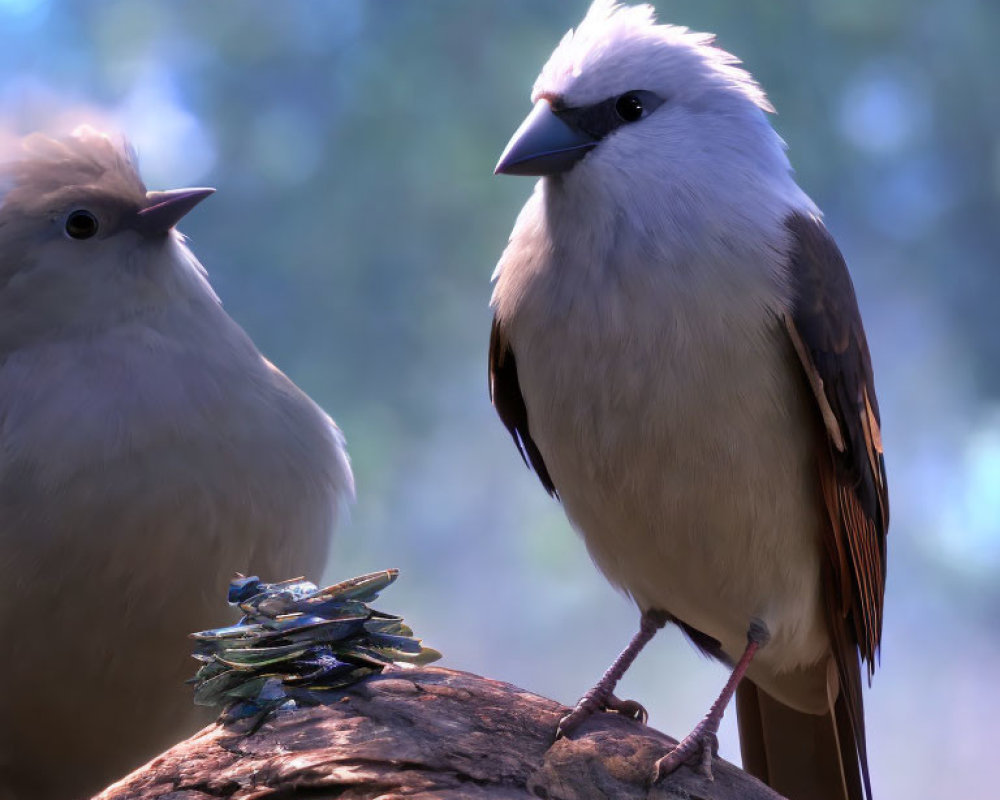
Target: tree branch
pixel 427 733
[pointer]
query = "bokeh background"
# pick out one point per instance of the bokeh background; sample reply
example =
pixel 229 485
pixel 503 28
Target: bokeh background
pixel 357 225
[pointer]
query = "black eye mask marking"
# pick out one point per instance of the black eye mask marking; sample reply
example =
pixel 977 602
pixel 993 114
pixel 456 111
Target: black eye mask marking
pixel 600 119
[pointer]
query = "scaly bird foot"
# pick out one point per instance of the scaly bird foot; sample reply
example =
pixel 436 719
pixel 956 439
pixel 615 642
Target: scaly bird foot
pixel 628 708
pixel 701 743
pixel 594 701
pixel 602 695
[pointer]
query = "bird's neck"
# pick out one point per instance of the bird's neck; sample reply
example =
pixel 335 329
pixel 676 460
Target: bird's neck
pixel 570 259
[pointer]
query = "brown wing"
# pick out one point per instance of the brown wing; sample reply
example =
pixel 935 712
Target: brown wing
pixel 505 394
pixel 825 328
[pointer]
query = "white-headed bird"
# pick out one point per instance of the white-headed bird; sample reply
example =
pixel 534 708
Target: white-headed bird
pixel 678 353
pixel 147 452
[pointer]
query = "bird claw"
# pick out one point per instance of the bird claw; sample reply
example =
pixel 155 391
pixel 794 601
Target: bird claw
pixel 590 704
pixel 703 745
pixel 583 711
pixel 629 708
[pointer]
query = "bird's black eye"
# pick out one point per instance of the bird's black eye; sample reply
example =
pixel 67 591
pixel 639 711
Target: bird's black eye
pixel 81 224
pixel 629 107
pixel 600 119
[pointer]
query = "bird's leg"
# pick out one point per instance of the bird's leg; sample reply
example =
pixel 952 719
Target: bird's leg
pixel 703 740
pixel 602 695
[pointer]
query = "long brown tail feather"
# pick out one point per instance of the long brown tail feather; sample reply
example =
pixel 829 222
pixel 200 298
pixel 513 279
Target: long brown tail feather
pixel 801 756
pixel 850 712
pixel 848 702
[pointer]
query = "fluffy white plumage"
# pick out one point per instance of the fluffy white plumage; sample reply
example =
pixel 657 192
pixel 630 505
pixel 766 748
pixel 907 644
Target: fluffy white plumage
pixel 641 292
pixel 615 40
pixel 147 452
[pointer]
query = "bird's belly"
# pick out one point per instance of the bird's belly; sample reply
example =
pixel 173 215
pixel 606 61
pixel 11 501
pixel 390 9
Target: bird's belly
pixel 115 567
pixel 692 482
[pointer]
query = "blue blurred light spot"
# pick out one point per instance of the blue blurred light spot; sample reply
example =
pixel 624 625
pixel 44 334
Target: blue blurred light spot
pixel 883 110
pixel 970 522
pixel 20 16
pixel 22 8
pixel 983 493
pixel 174 147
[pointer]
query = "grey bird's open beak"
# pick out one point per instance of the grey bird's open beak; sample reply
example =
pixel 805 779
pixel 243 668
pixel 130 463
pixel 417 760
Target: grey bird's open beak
pixel 165 209
pixel 543 145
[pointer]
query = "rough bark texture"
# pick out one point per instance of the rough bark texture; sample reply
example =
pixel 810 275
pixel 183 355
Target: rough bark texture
pixel 427 733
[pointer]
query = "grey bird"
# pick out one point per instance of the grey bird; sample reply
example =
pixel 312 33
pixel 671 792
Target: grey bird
pixel 677 352
pixel 147 452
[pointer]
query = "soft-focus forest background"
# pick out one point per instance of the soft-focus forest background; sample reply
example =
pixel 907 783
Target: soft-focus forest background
pixel 357 224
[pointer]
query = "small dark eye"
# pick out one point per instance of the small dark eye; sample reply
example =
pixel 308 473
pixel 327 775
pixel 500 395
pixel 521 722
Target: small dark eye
pixel 81 225
pixel 629 107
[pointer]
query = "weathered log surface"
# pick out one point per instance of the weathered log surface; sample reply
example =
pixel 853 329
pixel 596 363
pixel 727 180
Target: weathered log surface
pixel 427 733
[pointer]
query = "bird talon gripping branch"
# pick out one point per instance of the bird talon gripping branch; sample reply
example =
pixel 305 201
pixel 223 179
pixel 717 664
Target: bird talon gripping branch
pixel 696 751
pixel 628 708
pixel 591 703
pixel 601 696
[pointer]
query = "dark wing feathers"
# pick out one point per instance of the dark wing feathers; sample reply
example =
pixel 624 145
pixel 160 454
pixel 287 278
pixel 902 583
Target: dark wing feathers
pixel 505 394
pixel 825 328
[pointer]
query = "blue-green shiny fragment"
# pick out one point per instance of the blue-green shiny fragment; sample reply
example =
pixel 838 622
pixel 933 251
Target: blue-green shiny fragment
pixel 242 587
pixel 364 588
pixel 299 643
pixel 260 656
pixel 232 632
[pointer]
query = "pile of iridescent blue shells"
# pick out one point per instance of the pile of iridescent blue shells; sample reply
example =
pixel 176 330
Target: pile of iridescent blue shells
pixel 300 644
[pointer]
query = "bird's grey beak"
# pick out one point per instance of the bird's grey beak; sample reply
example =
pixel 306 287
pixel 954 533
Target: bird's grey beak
pixel 543 145
pixel 165 209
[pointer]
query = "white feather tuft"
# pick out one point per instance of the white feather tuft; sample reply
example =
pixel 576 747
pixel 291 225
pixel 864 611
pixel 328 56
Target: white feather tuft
pixel 622 40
